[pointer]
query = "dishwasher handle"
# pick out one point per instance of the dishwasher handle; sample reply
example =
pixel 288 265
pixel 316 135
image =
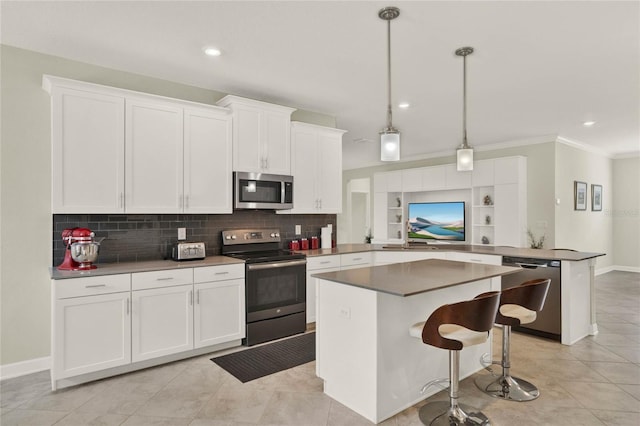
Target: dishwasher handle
pixel 530 265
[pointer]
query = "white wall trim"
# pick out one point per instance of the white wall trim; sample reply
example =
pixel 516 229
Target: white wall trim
pixel 601 271
pixel 452 152
pixel 584 147
pixel 23 368
pixel 634 154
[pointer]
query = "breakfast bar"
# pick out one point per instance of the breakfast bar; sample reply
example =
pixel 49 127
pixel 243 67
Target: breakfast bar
pixel 364 353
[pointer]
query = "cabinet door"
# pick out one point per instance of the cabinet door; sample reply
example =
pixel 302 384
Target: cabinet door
pixel 87 152
pixel 455 179
pixel 207 162
pixel 329 176
pixel 380 216
pixel 316 266
pixel 276 143
pixel 219 314
pixel 154 166
pixel 303 167
pixel 433 178
pixel 91 333
pixel 508 229
pixel 247 154
pixel 412 180
pixel 162 322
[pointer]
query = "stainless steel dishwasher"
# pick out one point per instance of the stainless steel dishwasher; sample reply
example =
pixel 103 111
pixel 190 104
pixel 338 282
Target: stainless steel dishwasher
pixel 548 322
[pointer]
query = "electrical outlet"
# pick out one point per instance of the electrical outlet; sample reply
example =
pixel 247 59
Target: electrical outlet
pixel 182 233
pixel 298 229
pixel 345 312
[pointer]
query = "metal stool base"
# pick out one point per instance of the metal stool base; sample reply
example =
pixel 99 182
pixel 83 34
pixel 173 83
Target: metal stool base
pixel 508 388
pixel 442 414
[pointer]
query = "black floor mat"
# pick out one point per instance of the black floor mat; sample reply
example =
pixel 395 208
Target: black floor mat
pixel 253 363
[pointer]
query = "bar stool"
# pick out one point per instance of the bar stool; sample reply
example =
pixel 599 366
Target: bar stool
pixel 518 305
pixel 453 327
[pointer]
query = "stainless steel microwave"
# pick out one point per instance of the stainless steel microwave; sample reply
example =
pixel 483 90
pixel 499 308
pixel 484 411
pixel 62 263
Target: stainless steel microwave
pixel 262 191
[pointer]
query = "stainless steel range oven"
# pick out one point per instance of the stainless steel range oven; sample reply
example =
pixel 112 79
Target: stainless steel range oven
pixel 275 283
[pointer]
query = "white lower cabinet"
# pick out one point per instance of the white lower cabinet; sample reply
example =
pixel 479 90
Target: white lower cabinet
pixel 112 322
pixel 161 322
pixel 219 314
pixel 316 265
pixel 487 259
pixel 91 333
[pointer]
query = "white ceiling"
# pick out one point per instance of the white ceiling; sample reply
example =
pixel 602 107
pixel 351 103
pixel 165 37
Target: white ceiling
pixel 540 69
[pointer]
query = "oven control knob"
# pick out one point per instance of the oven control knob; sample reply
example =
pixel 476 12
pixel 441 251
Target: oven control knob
pixel 233 237
pixel 228 237
pixel 273 235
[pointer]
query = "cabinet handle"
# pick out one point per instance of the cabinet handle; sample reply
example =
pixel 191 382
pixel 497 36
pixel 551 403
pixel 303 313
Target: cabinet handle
pixel 186 201
pixel 198 296
pixel 476 260
pixel 128 309
pixel 121 199
pixel 95 286
pixel 190 297
pixel 320 203
pixel 266 163
pixel 325 262
pixel 357 258
pixel 164 279
pixel 221 273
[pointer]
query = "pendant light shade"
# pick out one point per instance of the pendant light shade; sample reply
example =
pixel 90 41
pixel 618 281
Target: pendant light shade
pixel 465 152
pixel 389 136
pixel 389 145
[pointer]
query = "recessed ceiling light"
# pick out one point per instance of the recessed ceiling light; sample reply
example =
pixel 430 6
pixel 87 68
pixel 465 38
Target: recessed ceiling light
pixel 212 51
pixel 588 123
pixel 404 105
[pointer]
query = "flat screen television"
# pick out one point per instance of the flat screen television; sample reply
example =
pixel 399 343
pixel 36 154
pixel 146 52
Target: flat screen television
pixel 436 221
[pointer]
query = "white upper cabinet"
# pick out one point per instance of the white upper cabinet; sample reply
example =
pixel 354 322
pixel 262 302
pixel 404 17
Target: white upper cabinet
pixel 317 168
pixel 388 182
pixel 119 151
pixel 455 179
pixel 154 163
pixel 207 161
pixel 433 178
pixel 87 151
pixel 261 135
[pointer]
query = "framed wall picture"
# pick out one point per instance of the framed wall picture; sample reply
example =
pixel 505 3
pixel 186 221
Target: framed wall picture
pixel 596 198
pixel 579 195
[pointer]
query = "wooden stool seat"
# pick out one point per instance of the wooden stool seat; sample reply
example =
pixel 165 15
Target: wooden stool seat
pixel 453 327
pixel 518 305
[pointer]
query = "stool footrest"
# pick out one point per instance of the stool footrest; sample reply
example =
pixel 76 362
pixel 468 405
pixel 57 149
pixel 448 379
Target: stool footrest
pixel 508 388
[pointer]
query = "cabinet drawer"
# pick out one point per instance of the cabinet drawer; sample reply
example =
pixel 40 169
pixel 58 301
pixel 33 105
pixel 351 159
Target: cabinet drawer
pixel 89 286
pixel 487 259
pixel 158 279
pixel 322 262
pixel 363 258
pixel 218 273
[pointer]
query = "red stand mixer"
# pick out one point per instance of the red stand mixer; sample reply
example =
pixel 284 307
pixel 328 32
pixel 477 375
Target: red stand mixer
pixel 82 249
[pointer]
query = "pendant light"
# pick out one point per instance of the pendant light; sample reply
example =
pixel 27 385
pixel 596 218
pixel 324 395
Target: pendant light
pixel 465 152
pixel 389 136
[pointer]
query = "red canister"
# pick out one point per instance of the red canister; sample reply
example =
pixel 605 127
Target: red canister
pixel 304 244
pixel 314 243
pixel 294 245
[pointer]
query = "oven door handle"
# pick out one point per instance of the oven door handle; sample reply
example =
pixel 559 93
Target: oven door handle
pixel 273 265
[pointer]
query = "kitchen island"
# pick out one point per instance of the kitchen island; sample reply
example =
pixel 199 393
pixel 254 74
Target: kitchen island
pixel 364 353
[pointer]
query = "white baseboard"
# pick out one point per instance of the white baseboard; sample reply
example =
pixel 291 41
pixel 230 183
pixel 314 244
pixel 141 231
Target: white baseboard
pixel 617 268
pixel 23 368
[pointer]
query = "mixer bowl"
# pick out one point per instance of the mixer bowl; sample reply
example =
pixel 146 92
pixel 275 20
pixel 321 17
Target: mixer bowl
pixel 85 253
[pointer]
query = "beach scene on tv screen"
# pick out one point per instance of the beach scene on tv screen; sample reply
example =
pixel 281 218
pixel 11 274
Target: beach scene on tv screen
pixel 437 221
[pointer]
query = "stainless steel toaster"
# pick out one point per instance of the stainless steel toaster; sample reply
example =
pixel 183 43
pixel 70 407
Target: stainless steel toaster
pixel 188 251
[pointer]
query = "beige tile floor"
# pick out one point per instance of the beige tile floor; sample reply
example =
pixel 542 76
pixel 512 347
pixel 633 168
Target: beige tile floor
pixel 594 382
